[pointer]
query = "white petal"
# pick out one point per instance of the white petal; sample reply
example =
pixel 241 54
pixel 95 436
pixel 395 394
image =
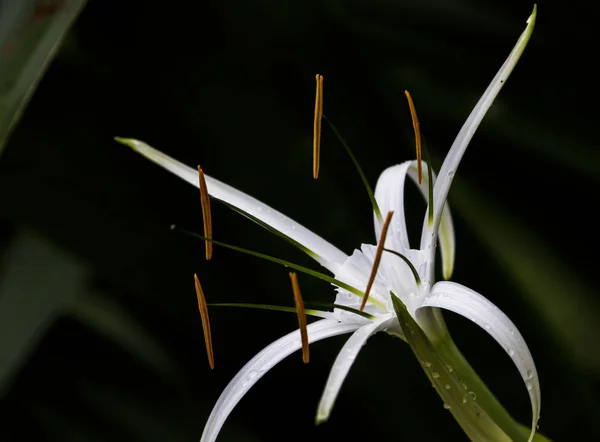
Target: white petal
pixel 356 272
pixel 344 361
pixel 389 194
pixel 327 255
pixel 446 229
pixel 442 185
pixel 470 304
pixel 263 362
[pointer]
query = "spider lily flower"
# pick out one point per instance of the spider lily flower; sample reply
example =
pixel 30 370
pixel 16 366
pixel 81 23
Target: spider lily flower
pixel 404 299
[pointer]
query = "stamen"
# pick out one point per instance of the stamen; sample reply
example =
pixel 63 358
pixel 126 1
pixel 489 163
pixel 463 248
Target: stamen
pixel 415 122
pixel 318 310
pixel 378 253
pixel 301 317
pixel 317 127
pixel 363 177
pixel 291 265
pixel 205 322
pixel 410 265
pixel 206 217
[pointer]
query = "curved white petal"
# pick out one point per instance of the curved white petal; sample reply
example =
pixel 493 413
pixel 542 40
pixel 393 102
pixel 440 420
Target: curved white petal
pixel 446 230
pixel 473 306
pixel 263 362
pixel 344 361
pixel 327 254
pixel 448 169
pixel 389 194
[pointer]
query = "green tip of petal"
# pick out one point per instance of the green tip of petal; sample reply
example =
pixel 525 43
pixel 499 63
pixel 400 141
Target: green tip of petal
pixel 126 141
pixel 129 142
pixel 320 419
pixel 532 17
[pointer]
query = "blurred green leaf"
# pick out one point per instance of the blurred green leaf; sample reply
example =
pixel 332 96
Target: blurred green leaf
pixel 112 321
pixel 30 34
pixel 558 296
pixel 38 282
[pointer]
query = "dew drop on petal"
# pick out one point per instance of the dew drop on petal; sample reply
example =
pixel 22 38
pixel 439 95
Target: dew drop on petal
pixel 435 375
pixel 464 401
pixel 449 369
pixel 473 395
pixel 464 385
pixel 529 374
pixel 529 386
pixel 447 386
pixel 487 326
pixel 447 407
pixel 427 364
pixel 511 352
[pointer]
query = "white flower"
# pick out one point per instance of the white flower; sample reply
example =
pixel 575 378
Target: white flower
pixel 407 273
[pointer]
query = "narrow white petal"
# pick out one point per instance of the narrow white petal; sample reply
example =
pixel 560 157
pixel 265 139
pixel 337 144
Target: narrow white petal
pixel 470 304
pixel 446 229
pixel 450 165
pixel 263 362
pixel 344 361
pixel 327 255
pixel 389 193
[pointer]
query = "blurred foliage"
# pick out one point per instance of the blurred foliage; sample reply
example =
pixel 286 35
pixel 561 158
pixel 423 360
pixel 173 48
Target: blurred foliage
pixel 230 85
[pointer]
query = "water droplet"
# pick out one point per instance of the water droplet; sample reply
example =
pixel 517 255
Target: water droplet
pixel 464 400
pixel 447 386
pixel 293 226
pixel 464 386
pixel 435 375
pixel 252 374
pixel 529 374
pixel 450 173
pixel 447 407
pixel 427 364
pixel 537 427
pixel 450 369
pixel 486 326
pixel 511 352
pixel 529 386
pixel 473 395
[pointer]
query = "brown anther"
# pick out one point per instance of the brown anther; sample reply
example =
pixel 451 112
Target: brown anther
pixel 205 322
pixel 301 317
pixel 378 253
pixel 206 217
pixel 317 127
pixel 415 122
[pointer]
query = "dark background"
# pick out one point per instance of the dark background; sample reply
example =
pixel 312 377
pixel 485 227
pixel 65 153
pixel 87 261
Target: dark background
pixel 100 334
